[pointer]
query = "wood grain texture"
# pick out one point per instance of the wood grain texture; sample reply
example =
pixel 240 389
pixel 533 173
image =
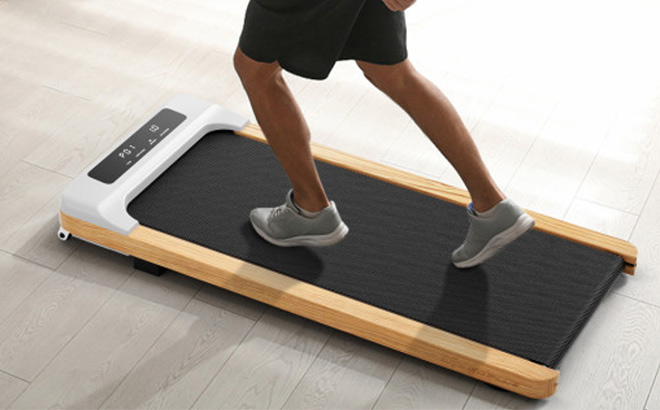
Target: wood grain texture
pixel 86 372
pixel 344 363
pixel 24 190
pixel 78 52
pixel 458 196
pixel 37 240
pixel 551 174
pixel 623 172
pixel 183 361
pixel 18 278
pixel 268 365
pixel 603 219
pixel 420 385
pixel 10 387
pixel 160 66
pixel 31 113
pixel 68 152
pixel 231 302
pixel 373 143
pixel 415 153
pixel 653 402
pixel 22 22
pixel 34 333
pixel 511 124
pixel 362 320
pixel 647 235
pixel 612 364
pixel 74 53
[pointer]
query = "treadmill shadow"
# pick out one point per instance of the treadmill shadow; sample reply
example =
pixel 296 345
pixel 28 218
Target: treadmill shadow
pixel 464 302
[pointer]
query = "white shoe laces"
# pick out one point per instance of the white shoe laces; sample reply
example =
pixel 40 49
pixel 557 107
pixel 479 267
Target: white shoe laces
pixel 278 211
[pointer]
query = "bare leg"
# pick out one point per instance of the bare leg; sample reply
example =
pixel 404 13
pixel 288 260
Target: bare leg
pixel 438 119
pixel 285 127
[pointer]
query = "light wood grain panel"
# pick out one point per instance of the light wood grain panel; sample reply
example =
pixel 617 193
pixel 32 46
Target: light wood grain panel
pixel 611 365
pixel 231 302
pixel 356 132
pixel 549 177
pixel 101 44
pixel 420 385
pixel 553 170
pixel 91 15
pixel 70 151
pixel 39 11
pixel 344 363
pixel 10 387
pixel 623 173
pixel 152 79
pixel 458 196
pixel 472 93
pixel 415 153
pixel 31 114
pixel 647 235
pixel 511 124
pixel 75 55
pixel 328 308
pixel 23 191
pixel 213 78
pixel 18 278
pixel 136 78
pixel 37 240
pixel 268 365
pixel 18 22
pixel 86 372
pixel 78 53
pixel 58 308
pixel 653 401
pixel 183 361
pixel 601 218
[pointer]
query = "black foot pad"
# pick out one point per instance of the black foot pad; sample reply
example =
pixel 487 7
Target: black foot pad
pixel 148 267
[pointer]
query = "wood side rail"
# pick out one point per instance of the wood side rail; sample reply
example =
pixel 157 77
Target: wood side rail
pixel 462 355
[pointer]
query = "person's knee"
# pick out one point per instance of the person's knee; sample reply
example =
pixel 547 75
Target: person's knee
pixel 386 77
pixel 252 72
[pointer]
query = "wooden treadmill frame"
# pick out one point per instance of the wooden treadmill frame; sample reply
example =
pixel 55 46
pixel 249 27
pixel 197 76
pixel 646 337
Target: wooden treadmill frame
pixel 459 354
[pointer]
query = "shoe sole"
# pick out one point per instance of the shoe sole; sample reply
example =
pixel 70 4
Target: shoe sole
pixel 499 241
pixel 310 240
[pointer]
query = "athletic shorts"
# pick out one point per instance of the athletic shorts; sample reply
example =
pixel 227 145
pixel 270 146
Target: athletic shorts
pixel 307 37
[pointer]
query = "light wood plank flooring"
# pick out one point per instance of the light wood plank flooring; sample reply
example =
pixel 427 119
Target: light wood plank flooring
pixel 562 97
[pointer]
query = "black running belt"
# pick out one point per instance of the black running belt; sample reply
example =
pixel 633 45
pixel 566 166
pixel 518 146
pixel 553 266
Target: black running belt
pixel 530 300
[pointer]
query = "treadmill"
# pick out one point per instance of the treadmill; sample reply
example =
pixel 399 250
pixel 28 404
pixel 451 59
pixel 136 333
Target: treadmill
pixel 176 192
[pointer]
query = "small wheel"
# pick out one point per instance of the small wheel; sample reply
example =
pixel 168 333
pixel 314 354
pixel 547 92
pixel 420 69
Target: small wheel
pixel 63 234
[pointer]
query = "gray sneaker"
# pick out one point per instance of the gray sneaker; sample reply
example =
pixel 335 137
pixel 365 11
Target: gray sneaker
pixel 285 225
pixel 487 236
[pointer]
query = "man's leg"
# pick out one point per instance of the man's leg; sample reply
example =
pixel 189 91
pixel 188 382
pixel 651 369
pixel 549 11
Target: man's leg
pixel 285 128
pixel 497 221
pixel 309 219
pixel 438 119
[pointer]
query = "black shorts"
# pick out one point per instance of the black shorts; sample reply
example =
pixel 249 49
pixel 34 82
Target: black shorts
pixel 307 37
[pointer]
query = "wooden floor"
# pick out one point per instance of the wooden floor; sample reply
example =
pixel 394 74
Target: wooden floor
pixel 563 99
